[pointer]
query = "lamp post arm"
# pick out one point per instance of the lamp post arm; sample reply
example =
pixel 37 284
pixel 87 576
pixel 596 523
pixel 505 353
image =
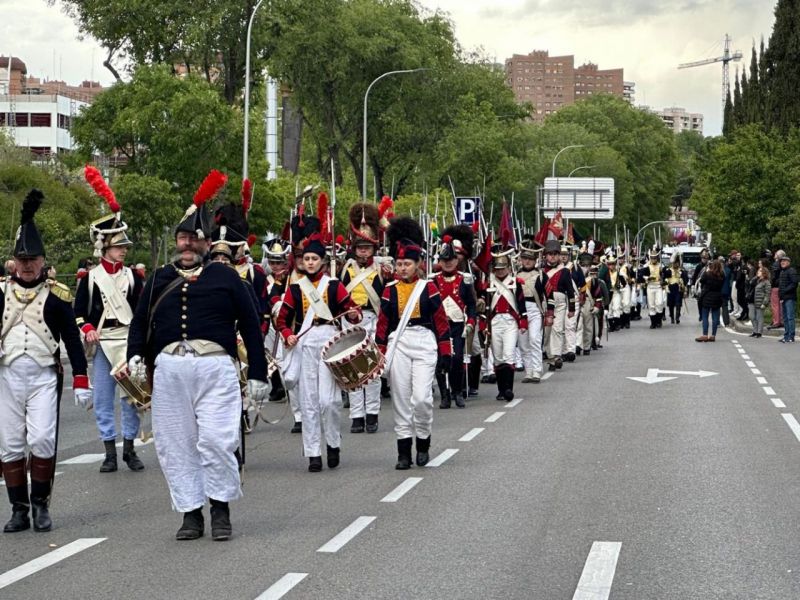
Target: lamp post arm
pixel 247 91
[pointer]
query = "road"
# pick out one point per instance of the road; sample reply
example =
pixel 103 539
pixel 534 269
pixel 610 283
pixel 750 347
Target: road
pixel 593 485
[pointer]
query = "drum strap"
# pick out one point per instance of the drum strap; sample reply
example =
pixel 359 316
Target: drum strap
pixel 412 302
pixel 316 302
pixel 359 279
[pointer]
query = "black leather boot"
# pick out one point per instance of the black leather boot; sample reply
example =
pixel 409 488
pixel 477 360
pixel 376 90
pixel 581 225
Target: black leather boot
pixel 220 521
pixel 110 463
pixel 42 470
pixel 333 457
pixel 372 423
pixel 474 373
pixel 314 464
pixel 297 427
pixel 444 402
pixel 385 391
pixel 193 525
pixel 500 379
pixel 404 454
pixel 17 487
pixel 277 393
pixel 458 396
pixel 129 456
pixel 358 425
pixel 508 393
pixel 423 447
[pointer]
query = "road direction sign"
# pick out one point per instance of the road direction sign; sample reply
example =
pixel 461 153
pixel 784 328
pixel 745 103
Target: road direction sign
pixel 653 375
pixel 578 197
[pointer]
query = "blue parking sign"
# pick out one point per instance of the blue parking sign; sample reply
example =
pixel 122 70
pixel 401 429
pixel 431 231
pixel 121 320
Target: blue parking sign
pixel 468 209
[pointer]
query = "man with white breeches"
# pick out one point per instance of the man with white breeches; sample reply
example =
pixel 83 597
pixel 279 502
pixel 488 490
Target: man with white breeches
pixel 652 276
pixel 571 325
pixel 533 289
pixel 186 327
pixel 560 303
pixel 507 320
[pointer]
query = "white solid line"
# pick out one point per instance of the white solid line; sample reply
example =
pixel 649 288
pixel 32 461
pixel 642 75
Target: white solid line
pixel 547 376
pixel 768 391
pixel 755 371
pixel 750 364
pixel 761 380
pixel 598 572
pixel 493 418
pixel 514 402
pixel 778 403
pixel 744 356
pixel 401 489
pixel 442 458
pixel 471 434
pixel 347 534
pixel 47 560
pixel 83 459
pixel 282 586
pixel 793 424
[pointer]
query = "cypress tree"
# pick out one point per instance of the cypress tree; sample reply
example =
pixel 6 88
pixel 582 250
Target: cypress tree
pixel 743 112
pixel 763 83
pixel 738 109
pixel 783 67
pixel 727 116
pixel 754 90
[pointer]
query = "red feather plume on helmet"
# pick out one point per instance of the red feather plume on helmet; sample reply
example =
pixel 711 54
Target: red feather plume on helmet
pixel 247 196
pixel 211 185
pixel 95 179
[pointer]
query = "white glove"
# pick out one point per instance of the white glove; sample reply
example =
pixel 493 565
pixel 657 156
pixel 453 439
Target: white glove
pixel 137 368
pixel 257 390
pixel 83 398
pixel 595 310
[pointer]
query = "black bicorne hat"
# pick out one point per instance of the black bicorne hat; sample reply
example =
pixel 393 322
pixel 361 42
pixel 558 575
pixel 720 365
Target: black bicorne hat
pixel 29 242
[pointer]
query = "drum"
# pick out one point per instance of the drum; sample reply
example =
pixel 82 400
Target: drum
pixel 138 393
pixel 353 358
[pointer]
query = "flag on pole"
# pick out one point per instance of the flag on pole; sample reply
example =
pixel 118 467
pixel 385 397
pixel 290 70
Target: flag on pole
pixel 556 226
pixel 484 259
pixel 507 237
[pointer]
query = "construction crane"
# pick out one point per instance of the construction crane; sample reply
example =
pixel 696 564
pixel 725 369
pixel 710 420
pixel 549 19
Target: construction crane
pixel 725 59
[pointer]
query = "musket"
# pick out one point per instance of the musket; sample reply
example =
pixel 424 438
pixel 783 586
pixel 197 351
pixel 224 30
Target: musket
pixel 330 215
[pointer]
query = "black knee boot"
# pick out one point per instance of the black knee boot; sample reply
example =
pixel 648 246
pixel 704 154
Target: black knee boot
pixel 42 470
pixel 277 393
pixel 672 314
pixel 678 315
pixel 17 487
pixel 404 454
pixel 500 378
pixel 220 521
pixel 423 447
pixel 474 373
pixel 508 392
pixel 444 393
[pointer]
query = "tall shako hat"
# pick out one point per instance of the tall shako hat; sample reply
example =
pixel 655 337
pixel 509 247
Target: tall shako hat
pixel 277 249
pixel 457 242
pixel 527 247
pixel 29 243
pixel 405 238
pixel 364 219
pixel 108 230
pixel 501 257
pixel 230 232
pixel 196 219
pixel 315 245
pixel 654 253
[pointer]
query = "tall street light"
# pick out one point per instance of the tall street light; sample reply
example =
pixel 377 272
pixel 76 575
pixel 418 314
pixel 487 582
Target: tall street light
pixel 364 149
pixel 579 168
pixel 555 158
pixel 247 91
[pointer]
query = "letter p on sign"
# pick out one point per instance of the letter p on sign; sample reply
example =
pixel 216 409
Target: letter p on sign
pixel 467 209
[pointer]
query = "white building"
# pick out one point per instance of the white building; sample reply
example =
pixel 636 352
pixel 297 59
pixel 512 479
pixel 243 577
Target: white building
pixel 39 122
pixel 629 91
pixel 677 119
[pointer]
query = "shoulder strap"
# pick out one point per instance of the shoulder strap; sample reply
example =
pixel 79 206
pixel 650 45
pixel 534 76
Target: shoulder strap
pixel 152 310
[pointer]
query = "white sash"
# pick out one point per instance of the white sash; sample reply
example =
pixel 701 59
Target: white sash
pixel 291 362
pixel 372 295
pixel 115 304
pixel 501 290
pixel 412 302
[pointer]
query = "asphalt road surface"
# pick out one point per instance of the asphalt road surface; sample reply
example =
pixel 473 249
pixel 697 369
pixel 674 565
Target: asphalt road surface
pixel 591 486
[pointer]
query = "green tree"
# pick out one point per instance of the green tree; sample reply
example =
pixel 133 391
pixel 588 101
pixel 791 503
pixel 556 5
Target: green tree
pixel 783 67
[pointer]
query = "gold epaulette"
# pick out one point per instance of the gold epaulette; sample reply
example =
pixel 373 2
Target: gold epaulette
pixel 60 291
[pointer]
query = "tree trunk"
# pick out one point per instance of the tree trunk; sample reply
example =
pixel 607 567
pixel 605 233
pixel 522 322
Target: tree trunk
pixel 107 64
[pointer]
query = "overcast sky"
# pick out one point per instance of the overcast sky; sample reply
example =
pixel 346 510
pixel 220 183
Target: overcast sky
pixel 648 38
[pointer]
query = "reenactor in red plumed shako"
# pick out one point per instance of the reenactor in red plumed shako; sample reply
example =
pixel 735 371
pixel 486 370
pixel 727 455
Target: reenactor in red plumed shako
pixel 508 319
pixel 363 278
pixel 457 290
pixel 276 253
pixel 560 295
pixel 37 316
pixel 414 334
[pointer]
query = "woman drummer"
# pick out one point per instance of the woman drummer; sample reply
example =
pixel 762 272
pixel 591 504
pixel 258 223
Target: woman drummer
pixel 306 322
pixel 413 325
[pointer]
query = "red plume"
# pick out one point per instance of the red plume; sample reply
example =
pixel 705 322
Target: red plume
pixel 385 205
pixel 285 232
pixel 251 239
pixel 322 215
pixel 95 179
pixel 247 196
pixel 476 225
pixel 212 184
pixel 447 239
pixel 340 239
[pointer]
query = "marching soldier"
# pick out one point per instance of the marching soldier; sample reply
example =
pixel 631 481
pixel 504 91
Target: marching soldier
pixel 533 289
pixel 616 285
pixel 578 281
pixel 457 290
pixel 595 303
pixel 588 300
pixel 414 334
pixel 363 279
pixel 508 319
pixel 37 316
pixel 560 297
pixel 652 275
pixel 306 321
pixel 677 282
pixel 276 253
pixel 104 305
pixel 185 328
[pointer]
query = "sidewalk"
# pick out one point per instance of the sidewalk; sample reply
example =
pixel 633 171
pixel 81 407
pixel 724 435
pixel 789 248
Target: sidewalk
pixel 747 327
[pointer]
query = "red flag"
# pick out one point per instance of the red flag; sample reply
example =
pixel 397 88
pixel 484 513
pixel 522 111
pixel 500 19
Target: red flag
pixel 570 235
pixel 484 260
pixel 507 238
pixel 541 236
pixel 557 225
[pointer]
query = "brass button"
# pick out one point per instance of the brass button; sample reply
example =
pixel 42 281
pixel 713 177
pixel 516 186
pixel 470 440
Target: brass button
pixel 183 325
pixel 184 336
pixel 183 307
pixel 183 317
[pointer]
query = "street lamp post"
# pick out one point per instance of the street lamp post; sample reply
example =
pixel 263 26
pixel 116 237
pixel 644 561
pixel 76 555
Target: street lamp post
pixel 555 158
pixel 364 149
pixel 247 91
pixel 579 168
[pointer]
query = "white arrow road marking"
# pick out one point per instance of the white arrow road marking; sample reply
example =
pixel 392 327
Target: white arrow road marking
pixel 653 375
pixel 47 560
pixel 598 572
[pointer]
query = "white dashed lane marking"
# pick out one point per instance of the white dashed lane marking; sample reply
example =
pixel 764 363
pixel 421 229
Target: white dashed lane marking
pixel 281 587
pixel 598 572
pixel 514 403
pixel 768 391
pixel 793 424
pixel 402 489
pixel 443 457
pixel 778 403
pixel 347 534
pixel 47 560
pixel 493 418
pixel 471 434
pixel 761 380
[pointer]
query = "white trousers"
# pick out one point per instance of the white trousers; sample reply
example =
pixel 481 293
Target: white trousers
pixel 571 332
pixel 411 376
pixel 367 399
pixel 615 306
pixel 269 344
pixel 557 338
pixel 656 299
pixel 505 333
pixel 197 404
pixel 627 299
pixel 586 325
pixel 320 400
pixel 27 409
pixel 487 366
pixel 530 343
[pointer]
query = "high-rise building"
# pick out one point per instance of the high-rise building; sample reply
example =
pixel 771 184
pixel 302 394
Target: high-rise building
pixel 550 82
pixel 677 119
pixel 629 91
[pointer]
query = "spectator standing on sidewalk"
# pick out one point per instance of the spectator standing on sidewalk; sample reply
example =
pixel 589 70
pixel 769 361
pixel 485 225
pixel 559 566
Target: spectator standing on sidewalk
pixel 775 297
pixel 727 286
pixel 787 284
pixel 711 299
pixel 761 297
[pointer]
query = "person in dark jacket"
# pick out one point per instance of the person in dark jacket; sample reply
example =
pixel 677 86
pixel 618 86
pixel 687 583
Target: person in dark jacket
pixel 761 292
pixel 775 296
pixel 711 299
pixel 787 288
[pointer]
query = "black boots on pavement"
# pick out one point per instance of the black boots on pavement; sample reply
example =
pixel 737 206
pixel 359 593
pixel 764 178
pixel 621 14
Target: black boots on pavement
pixel 128 455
